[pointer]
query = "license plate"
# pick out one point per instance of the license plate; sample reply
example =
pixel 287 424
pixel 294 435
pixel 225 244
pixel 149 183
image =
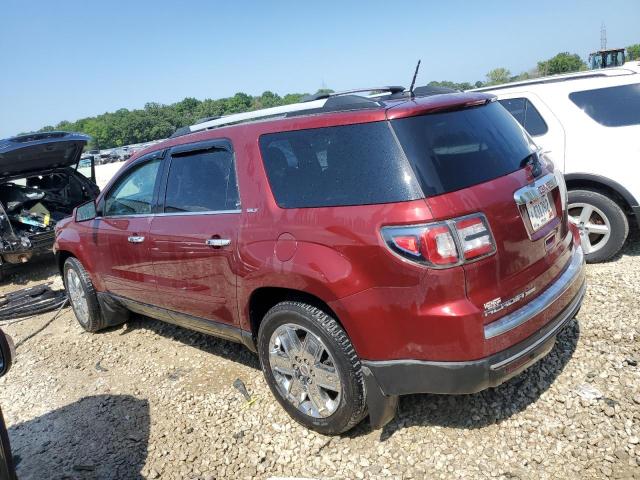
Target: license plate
pixel 540 212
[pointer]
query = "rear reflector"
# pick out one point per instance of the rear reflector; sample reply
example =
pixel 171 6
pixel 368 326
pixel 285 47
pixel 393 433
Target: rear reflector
pixel 442 244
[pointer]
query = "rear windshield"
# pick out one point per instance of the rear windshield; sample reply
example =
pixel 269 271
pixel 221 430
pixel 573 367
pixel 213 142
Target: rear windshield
pixel 611 106
pixel 454 150
pixel 335 166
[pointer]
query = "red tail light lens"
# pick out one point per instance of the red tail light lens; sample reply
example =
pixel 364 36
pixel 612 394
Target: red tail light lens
pixel 442 244
pixel 408 243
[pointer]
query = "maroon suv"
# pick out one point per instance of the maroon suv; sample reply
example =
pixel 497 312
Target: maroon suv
pixel 364 246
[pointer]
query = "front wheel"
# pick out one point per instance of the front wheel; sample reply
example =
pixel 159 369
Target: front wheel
pixel 82 296
pixel 312 368
pixel 602 223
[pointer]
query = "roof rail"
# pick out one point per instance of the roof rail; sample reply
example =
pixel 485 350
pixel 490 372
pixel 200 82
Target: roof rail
pixel 319 96
pixel 234 118
pixel 318 103
pixel 328 102
pixel 565 77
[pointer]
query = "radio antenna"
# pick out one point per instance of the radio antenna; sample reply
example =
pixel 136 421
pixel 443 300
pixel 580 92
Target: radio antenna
pixel 413 82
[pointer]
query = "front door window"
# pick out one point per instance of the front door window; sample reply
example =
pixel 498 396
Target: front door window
pixel 133 194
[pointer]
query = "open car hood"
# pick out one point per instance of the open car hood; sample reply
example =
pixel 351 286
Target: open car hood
pixel 27 154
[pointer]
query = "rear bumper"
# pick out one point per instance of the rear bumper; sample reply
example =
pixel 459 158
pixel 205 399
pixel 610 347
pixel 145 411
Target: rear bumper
pixel 401 377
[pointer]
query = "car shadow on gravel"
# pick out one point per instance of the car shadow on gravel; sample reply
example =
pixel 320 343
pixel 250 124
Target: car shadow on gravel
pixel 210 344
pixel 488 407
pixel 101 437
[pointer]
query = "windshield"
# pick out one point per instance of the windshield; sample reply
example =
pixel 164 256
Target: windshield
pixel 454 150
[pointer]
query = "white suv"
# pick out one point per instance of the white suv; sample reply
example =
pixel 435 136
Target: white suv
pixel 589 125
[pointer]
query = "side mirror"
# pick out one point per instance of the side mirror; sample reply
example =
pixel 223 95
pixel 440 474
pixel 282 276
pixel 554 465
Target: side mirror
pixel 7 352
pixel 86 211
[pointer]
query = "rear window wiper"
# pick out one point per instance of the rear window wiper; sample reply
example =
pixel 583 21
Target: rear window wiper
pixel 534 160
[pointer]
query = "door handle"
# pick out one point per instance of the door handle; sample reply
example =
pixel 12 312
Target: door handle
pixel 135 239
pixel 218 242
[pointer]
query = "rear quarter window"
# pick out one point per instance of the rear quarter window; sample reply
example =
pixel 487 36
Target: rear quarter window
pixel 612 106
pixel 526 114
pixel 337 166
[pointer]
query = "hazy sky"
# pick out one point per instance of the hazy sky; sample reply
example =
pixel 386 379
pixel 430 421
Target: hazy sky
pixel 63 60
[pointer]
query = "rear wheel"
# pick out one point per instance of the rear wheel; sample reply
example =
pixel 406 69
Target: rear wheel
pixel 82 296
pixel 602 223
pixel 312 368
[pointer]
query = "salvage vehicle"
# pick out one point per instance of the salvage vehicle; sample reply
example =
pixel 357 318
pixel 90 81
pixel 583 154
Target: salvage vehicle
pixel 42 179
pixel 588 123
pixel 365 247
pixel 7 468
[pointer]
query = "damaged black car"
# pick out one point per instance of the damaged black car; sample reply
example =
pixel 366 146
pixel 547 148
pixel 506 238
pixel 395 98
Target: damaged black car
pixel 42 179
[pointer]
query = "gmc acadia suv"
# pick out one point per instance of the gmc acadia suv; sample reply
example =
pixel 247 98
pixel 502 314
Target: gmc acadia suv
pixel 365 247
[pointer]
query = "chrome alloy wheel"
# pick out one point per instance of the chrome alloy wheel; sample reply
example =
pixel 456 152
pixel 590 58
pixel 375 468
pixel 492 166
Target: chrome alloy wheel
pixel 593 224
pixel 77 297
pixel 304 370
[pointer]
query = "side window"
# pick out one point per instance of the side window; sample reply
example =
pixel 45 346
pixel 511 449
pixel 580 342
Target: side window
pixel 515 106
pixel 133 194
pixel 359 164
pixel 611 106
pixel 202 181
pixel 533 121
pixel 526 114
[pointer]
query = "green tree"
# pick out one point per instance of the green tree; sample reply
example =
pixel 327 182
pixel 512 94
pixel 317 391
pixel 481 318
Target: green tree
pixel 268 99
pixel 240 102
pixel 564 62
pixel 498 76
pixel 449 84
pixel 633 52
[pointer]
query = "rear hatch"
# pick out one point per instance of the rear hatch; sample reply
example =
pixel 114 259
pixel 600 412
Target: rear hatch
pixel 478 160
pixel 27 154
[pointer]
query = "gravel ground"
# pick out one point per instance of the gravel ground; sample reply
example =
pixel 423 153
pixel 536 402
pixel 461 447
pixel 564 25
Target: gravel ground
pixel 150 400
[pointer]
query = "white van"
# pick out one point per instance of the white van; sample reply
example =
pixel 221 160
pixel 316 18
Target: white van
pixel 589 125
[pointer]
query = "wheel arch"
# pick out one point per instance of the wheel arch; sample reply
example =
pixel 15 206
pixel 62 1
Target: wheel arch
pixel 262 299
pixel 606 186
pixel 61 257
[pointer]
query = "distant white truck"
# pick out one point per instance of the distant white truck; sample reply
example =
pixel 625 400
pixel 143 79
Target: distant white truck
pixel 589 125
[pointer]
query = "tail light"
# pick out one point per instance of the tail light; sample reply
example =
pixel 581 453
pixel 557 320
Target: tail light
pixel 443 244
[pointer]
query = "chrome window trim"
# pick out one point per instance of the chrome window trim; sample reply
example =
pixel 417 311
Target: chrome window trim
pixel 186 214
pixel 172 214
pixel 543 301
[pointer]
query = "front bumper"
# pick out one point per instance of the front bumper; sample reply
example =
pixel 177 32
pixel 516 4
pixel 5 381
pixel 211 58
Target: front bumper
pixel 401 377
pixel 37 244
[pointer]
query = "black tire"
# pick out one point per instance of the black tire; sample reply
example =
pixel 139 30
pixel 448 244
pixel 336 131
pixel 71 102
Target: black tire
pixel 619 224
pixel 94 321
pixel 352 405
